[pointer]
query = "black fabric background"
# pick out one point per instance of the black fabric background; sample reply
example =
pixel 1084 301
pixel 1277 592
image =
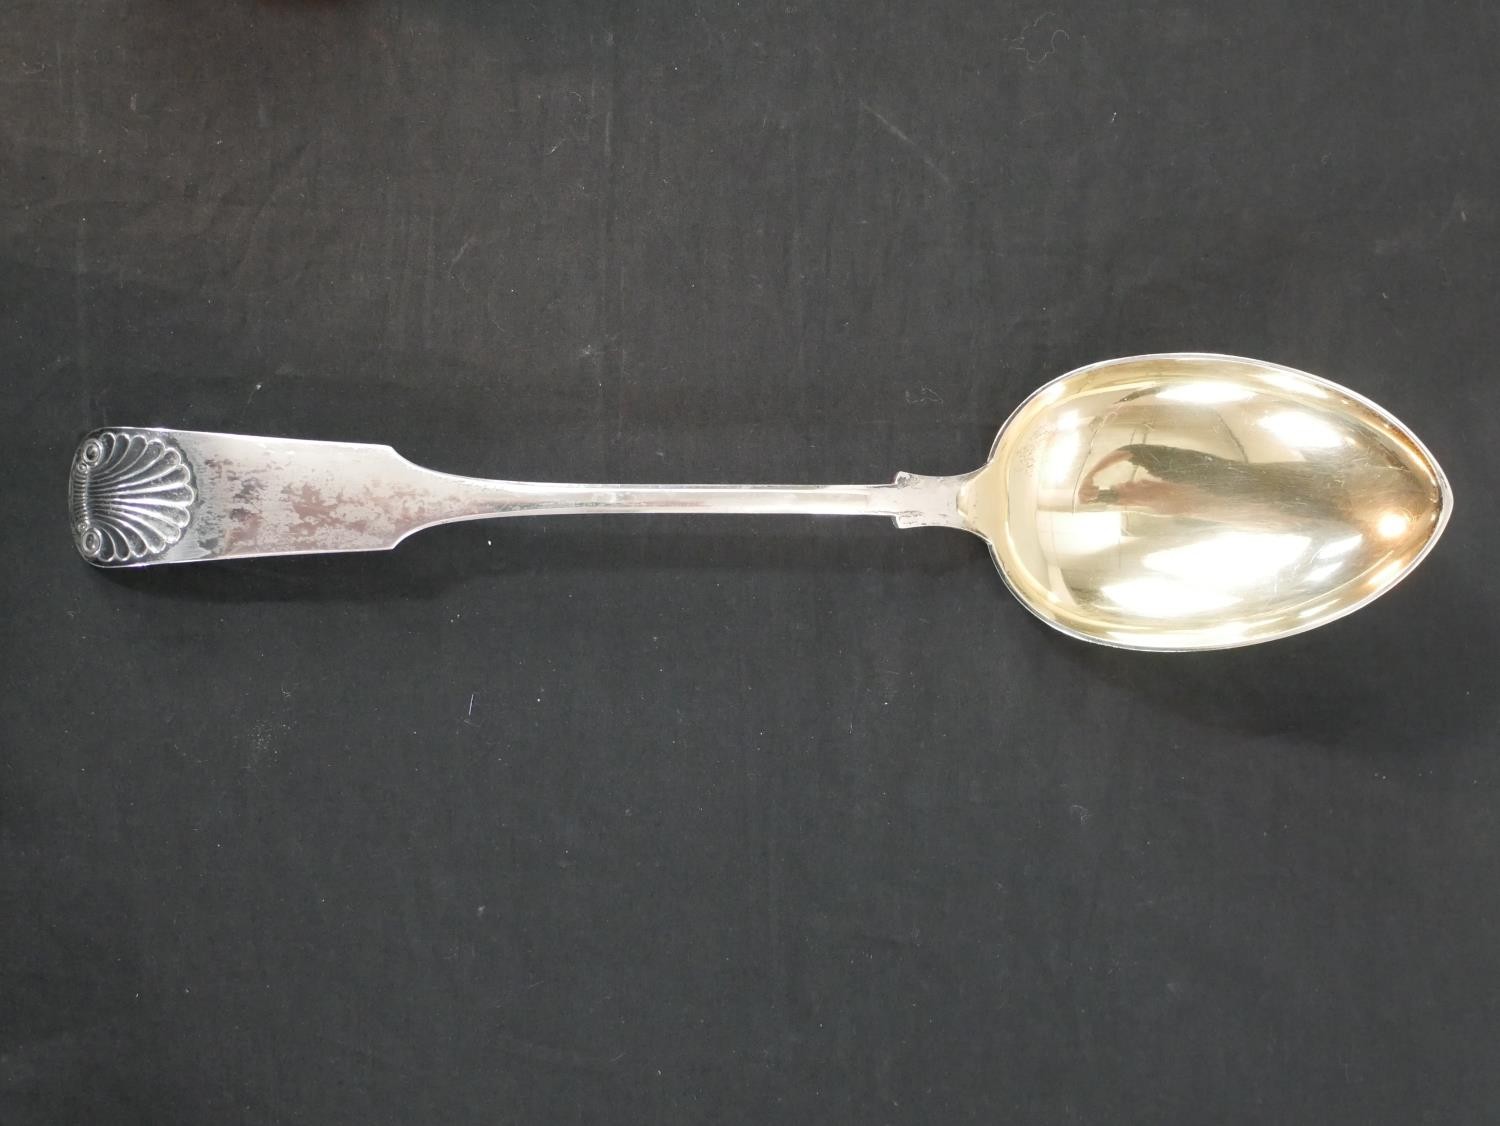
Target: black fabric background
pixel 718 820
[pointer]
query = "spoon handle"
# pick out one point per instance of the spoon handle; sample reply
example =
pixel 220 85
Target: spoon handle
pixel 144 496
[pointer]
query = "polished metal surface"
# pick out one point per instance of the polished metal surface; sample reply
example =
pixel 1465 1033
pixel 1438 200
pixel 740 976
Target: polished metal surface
pixel 1198 502
pixel 1157 502
pixel 186 496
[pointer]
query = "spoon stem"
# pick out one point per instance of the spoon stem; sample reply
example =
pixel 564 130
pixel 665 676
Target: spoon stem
pixel 911 500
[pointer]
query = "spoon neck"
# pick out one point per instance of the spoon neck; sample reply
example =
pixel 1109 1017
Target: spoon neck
pixel 927 502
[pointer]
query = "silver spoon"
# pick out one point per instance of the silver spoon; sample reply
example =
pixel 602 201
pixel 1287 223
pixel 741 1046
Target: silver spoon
pixel 1167 502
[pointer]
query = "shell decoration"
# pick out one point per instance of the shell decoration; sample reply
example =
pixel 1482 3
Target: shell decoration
pixel 131 495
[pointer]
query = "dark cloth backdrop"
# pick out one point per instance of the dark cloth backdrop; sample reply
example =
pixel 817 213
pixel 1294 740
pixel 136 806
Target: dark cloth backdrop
pixel 730 820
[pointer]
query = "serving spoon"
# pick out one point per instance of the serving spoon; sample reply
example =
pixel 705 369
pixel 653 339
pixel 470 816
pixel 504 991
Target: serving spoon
pixel 1168 502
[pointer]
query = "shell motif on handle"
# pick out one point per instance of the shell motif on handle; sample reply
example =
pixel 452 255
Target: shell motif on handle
pixel 130 494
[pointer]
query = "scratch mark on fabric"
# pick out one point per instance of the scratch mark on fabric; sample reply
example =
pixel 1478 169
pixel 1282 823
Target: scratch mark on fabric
pixel 80 109
pixel 429 273
pixel 1038 49
pixel 80 311
pixel 896 131
pixel 467 245
pixel 774 911
pixel 611 273
pixel 393 310
pixel 264 219
pixel 619 358
pixel 545 1054
pixel 253 392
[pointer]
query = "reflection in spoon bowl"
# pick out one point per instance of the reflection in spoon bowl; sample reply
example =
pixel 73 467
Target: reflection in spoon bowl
pixel 1185 502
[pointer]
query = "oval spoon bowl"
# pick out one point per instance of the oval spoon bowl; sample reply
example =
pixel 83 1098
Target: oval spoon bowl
pixel 1195 501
